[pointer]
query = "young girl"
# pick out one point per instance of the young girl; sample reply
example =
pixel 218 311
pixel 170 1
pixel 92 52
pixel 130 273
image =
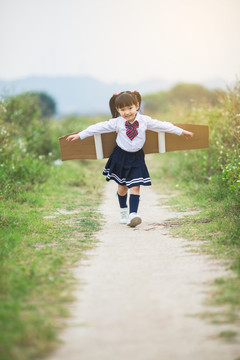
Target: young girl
pixel 126 165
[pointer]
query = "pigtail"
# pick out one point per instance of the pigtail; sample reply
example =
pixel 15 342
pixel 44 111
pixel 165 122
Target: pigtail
pixel 138 96
pixel 112 106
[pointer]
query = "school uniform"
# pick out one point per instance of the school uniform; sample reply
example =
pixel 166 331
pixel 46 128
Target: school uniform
pixel 126 165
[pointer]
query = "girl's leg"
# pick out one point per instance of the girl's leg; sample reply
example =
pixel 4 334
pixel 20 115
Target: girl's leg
pixel 122 190
pixel 134 219
pixel 134 199
pixel 135 190
pixel 122 198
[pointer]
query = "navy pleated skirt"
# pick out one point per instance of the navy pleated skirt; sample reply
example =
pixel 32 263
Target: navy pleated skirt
pixel 127 168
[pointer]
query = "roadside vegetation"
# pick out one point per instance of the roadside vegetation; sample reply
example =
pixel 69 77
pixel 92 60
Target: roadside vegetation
pixel 47 220
pixel 207 180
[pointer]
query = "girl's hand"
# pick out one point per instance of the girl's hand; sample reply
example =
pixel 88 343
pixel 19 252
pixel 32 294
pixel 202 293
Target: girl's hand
pixel 73 137
pixel 187 134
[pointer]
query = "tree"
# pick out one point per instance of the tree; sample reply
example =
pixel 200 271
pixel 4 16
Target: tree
pixel 46 103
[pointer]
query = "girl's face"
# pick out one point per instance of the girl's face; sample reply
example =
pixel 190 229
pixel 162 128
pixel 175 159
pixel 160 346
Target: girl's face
pixel 128 112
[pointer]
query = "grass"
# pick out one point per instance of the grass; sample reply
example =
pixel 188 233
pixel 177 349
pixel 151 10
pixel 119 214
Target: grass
pixel 216 225
pixel 43 234
pixel 228 335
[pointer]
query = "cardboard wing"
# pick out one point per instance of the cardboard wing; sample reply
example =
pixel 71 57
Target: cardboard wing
pixel 101 146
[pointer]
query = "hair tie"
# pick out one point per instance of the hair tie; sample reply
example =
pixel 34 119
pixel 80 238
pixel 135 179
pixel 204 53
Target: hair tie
pixel 116 94
pixel 135 91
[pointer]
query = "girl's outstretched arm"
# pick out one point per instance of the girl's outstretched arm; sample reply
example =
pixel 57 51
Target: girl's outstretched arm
pixel 187 134
pixel 72 137
pixel 99 128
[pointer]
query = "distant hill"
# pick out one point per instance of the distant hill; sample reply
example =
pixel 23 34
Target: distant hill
pixel 185 94
pixel 80 94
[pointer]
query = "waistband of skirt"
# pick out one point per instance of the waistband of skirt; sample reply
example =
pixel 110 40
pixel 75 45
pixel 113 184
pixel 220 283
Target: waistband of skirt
pixel 128 152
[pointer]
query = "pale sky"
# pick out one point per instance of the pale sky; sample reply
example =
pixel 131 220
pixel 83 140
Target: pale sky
pixel 123 40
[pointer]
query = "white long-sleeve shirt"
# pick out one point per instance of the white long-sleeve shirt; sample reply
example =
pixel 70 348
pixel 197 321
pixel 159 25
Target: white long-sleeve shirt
pixel 123 141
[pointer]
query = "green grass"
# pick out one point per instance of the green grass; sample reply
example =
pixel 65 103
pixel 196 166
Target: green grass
pixel 217 225
pixel 228 335
pixel 43 233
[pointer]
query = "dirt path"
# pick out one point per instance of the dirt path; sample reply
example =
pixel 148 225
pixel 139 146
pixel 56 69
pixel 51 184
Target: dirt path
pixel 138 293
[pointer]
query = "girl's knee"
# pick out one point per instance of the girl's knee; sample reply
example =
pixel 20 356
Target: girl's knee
pixel 135 190
pixel 122 190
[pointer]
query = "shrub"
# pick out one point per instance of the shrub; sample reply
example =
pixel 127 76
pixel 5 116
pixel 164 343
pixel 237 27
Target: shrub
pixel 25 144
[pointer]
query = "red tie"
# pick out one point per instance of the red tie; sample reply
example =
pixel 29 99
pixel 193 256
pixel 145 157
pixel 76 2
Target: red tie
pixel 131 129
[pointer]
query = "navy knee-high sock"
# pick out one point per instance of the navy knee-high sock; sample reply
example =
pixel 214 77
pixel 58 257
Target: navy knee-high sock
pixel 133 203
pixel 122 201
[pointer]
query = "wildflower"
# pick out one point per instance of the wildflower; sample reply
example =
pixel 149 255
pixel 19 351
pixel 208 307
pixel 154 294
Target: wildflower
pixel 3 108
pixel 3 131
pixel 21 143
pixel 57 162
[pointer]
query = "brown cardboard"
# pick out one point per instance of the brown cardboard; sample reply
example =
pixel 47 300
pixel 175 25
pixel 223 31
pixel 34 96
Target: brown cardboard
pixel 78 149
pixel 200 139
pixel 85 149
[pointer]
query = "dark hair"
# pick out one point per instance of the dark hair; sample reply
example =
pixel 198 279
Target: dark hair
pixel 124 98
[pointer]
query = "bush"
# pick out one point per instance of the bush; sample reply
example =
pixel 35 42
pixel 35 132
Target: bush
pixel 223 157
pixel 213 173
pixel 25 145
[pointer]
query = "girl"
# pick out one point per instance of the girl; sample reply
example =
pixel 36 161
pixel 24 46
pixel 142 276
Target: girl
pixel 126 165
